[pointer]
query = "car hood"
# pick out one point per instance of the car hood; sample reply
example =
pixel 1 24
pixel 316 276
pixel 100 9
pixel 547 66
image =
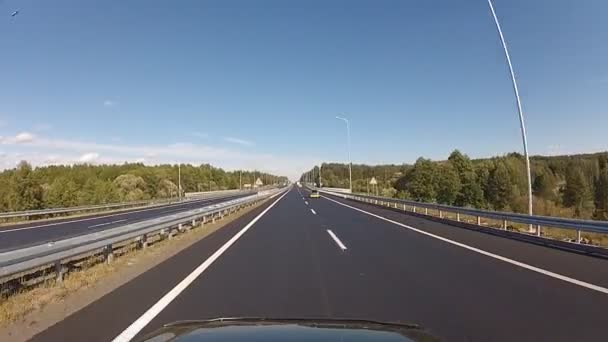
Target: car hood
pixel 304 330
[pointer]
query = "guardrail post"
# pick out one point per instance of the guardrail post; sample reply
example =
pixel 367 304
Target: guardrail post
pixel 458 217
pixel 404 207
pixel 143 241
pixel 414 209
pixel 108 254
pixel 479 220
pixel 59 271
pixel 538 230
pixel 440 214
pixel 504 224
pixel 578 236
pixel 180 227
pixel 426 211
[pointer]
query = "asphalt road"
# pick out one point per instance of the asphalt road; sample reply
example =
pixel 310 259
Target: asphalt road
pixel 335 258
pixel 32 233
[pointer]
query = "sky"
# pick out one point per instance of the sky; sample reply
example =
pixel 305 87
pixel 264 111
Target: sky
pixel 257 84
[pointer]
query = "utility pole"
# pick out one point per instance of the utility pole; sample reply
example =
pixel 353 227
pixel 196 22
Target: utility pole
pixel 350 163
pixel 320 181
pixel 179 180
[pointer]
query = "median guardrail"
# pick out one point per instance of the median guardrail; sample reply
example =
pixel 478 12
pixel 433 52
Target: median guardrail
pixel 52 259
pixel 537 223
pixel 28 214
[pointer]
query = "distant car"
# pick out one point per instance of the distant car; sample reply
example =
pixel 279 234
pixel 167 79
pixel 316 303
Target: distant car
pixel 314 194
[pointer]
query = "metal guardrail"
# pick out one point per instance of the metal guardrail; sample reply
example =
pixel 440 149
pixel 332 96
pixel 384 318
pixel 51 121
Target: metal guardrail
pixel 535 221
pixel 56 211
pixel 56 255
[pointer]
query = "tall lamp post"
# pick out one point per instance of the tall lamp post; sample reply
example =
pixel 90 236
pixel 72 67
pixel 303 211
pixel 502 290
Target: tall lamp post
pixel 350 163
pixel 179 181
pixel 520 111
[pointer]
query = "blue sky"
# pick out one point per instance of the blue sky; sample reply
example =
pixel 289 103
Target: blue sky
pixel 257 84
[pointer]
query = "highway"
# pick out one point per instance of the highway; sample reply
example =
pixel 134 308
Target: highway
pixel 328 257
pixel 32 233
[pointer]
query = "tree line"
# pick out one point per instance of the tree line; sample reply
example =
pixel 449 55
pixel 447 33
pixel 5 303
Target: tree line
pixel 27 188
pixel 567 186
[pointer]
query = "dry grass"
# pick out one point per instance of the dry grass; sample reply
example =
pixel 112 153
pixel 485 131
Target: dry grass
pixel 20 305
pixel 26 301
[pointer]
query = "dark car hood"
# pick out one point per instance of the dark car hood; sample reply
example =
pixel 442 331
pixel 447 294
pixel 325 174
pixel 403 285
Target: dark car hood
pixel 302 330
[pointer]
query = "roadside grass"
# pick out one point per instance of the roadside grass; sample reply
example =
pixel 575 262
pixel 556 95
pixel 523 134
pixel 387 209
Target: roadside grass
pixel 90 273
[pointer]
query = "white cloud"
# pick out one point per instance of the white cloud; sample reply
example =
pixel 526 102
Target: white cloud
pixel 23 137
pixel 238 141
pixel 67 151
pixel 110 103
pixel 88 157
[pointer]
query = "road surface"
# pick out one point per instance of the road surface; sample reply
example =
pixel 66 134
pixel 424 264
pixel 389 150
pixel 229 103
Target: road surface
pixel 330 257
pixel 32 233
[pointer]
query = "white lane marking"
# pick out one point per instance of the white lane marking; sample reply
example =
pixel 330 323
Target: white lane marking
pixel 486 253
pixel 99 217
pixel 313 211
pixel 107 223
pixel 159 306
pixel 338 242
pixel 306 202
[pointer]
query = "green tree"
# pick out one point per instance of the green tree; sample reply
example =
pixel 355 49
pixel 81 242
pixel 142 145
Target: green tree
pixel 500 189
pixel 601 191
pixel 576 192
pixel 421 181
pixel 166 188
pixel 130 187
pixel 63 192
pixel 470 192
pixel 543 186
pixel 448 184
pixel 26 192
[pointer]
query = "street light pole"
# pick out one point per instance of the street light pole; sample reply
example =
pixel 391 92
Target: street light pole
pixel 350 163
pixel 520 111
pixel 320 181
pixel 179 181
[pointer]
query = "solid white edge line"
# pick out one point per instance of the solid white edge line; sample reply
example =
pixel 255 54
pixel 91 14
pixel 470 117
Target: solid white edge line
pixel 105 224
pixel 313 211
pixel 486 253
pixel 159 306
pixel 100 217
pixel 338 242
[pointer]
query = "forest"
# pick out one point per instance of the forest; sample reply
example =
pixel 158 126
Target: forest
pixel 28 188
pixel 565 186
